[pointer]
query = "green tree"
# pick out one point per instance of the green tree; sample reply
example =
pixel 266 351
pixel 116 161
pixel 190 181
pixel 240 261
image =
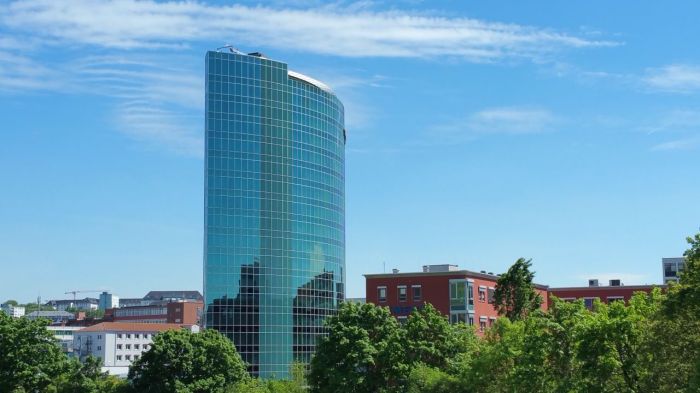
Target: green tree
pixel 432 340
pixel 426 379
pixel 11 302
pixel 87 377
pixel 185 362
pixel 362 352
pixel 30 359
pixel 515 295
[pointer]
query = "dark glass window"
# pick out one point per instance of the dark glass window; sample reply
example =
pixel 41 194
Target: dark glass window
pixel 402 293
pixel 381 294
pixel 417 293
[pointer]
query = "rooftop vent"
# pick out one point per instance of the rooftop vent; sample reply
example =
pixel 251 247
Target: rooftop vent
pixel 616 283
pixel 491 273
pixel 483 271
pixel 395 271
pixel 593 282
pixel 257 54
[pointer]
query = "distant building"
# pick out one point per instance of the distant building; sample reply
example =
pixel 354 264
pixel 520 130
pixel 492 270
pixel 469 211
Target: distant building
pixel 132 301
pixel 118 344
pixel 108 300
pixel 87 304
pixel 56 317
pixel 461 295
pixel 614 291
pixel 672 269
pixel 358 300
pixel 13 311
pixel 64 336
pixel 172 296
pixel 186 313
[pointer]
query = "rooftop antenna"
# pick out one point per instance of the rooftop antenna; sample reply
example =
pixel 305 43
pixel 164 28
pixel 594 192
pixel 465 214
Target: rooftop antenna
pixel 384 267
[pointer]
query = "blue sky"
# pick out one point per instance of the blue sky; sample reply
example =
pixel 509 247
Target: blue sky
pixel 479 132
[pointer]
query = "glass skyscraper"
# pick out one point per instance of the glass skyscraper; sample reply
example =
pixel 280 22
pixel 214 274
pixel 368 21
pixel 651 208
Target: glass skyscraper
pixel 274 240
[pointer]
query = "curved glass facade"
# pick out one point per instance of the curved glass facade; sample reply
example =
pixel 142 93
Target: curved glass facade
pixel 274 241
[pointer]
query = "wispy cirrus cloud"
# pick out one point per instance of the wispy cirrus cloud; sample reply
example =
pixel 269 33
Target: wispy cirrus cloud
pixel 510 120
pixel 332 30
pixel 674 78
pixel 161 103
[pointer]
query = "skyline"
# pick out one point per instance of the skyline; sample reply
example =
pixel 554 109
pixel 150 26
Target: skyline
pixel 476 135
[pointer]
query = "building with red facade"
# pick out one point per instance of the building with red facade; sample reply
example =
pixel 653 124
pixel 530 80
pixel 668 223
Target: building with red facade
pixel 462 295
pixel 180 312
pixel 614 291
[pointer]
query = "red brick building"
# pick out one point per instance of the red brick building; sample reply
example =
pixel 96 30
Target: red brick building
pixel 615 291
pixel 462 295
pixel 184 312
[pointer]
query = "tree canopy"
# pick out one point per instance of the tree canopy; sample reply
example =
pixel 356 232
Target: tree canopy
pixel 515 295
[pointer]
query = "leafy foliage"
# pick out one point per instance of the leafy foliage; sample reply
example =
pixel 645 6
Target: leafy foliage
pixel 515 296
pixel 185 362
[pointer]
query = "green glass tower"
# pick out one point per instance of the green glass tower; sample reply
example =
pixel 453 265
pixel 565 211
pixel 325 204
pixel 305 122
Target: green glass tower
pixel 274 202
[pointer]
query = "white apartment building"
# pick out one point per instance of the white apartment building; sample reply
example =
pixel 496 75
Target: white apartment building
pixel 64 336
pixel 13 311
pixel 118 344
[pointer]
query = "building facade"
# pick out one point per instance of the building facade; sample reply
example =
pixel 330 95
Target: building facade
pixel 108 300
pixel 274 208
pixel 56 317
pixel 461 295
pixel 64 336
pixel 12 311
pixel 86 304
pixel 186 313
pixel 116 344
pixel 614 291
pixel 672 269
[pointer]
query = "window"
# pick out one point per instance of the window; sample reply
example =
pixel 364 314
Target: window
pixel 588 302
pixel 402 293
pixel 99 347
pixel 145 346
pixel 128 335
pixel 417 293
pixel 137 335
pixel 119 346
pixel 471 320
pixel 145 335
pixel 492 291
pixel 482 294
pixel 127 357
pixel 119 357
pixel 136 357
pixel 128 346
pixel 458 318
pixel 482 325
pixel 402 319
pixel 99 337
pixel 615 299
pixel 492 321
pixel 136 346
pixel 381 294
pixel 119 335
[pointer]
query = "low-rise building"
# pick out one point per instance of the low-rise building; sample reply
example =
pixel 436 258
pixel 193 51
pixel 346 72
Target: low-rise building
pixel 12 310
pixel 182 312
pixel 87 304
pixel 56 317
pixel 672 269
pixel 461 295
pixel 64 336
pixel 614 291
pixel 118 344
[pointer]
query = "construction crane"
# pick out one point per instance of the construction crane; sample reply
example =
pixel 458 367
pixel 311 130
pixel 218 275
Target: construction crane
pixel 84 291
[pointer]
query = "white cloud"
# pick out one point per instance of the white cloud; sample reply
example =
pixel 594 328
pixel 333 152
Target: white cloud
pixel 491 121
pixel 680 144
pixel 341 31
pixel 675 78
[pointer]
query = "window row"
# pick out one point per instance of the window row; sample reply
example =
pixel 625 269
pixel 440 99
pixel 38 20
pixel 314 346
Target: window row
pixel 402 293
pixel 135 346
